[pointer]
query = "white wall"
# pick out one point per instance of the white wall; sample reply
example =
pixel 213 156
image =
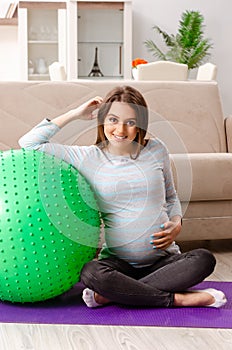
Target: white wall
pixel 9 69
pixel 166 14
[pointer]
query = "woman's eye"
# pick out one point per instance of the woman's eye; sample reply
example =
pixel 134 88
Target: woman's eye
pixel 113 120
pixel 131 122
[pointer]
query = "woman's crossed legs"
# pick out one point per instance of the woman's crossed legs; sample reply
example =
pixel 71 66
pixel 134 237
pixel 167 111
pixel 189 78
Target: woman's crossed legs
pixel 163 284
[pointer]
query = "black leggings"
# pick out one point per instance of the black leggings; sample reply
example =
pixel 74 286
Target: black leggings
pixel 154 285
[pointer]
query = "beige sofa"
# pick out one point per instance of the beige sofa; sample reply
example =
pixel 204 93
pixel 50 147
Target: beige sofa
pixel 186 115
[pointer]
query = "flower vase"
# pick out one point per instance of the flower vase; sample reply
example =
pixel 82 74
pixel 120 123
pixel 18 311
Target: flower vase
pixel 135 73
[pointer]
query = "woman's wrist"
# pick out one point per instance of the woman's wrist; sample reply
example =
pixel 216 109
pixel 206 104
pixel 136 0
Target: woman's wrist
pixel 177 219
pixel 63 119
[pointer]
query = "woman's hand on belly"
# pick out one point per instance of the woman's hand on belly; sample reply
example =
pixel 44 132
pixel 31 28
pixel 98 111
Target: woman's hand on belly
pixel 168 233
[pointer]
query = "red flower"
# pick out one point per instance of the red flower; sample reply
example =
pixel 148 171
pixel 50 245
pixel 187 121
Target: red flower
pixel 138 61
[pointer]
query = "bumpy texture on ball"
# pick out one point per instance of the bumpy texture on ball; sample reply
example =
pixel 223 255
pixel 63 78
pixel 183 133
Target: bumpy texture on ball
pixel 49 226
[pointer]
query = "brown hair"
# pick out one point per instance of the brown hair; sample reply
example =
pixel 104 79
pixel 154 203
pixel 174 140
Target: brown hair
pixel 136 101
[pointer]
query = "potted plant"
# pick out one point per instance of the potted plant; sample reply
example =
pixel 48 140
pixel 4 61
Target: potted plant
pixel 188 46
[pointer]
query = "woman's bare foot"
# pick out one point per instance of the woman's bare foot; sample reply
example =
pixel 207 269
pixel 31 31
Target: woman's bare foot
pixel 100 299
pixel 206 297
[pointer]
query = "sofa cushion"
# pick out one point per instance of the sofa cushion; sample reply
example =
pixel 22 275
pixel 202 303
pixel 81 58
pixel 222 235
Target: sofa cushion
pixel 209 173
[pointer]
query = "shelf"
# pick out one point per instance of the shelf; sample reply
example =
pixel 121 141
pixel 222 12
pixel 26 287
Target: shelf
pixel 92 5
pixel 9 21
pixel 38 77
pixel 43 42
pixel 35 5
pixel 101 42
pixel 102 78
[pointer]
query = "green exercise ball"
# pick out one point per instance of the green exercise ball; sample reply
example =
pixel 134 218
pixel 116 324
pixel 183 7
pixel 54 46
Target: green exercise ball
pixel 49 226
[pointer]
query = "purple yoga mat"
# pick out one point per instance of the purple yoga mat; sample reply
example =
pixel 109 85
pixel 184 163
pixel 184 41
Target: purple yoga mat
pixel 70 309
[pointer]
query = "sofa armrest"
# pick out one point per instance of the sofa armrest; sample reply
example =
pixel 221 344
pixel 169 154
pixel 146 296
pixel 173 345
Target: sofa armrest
pixel 203 176
pixel 228 130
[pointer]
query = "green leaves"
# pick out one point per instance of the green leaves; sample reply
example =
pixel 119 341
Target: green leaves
pixel 156 51
pixel 188 46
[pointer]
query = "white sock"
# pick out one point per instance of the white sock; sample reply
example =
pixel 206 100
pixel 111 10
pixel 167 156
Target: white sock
pixel 219 296
pixel 88 297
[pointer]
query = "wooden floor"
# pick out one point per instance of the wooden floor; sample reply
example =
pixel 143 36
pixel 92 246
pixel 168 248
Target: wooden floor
pixel 61 337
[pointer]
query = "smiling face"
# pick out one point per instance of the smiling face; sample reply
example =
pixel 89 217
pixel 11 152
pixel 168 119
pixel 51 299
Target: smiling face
pixel 120 128
pixel 123 107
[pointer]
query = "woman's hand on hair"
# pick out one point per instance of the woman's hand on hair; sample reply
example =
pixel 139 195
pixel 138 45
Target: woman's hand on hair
pixel 88 110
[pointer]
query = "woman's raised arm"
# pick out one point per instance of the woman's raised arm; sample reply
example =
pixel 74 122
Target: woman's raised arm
pixel 85 111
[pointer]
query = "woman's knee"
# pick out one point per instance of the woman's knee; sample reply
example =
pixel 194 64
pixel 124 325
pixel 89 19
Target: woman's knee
pixel 88 272
pixel 207 259
pixel 95 273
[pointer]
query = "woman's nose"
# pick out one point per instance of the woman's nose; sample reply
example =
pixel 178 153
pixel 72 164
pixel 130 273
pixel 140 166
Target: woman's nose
pixel 120 127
